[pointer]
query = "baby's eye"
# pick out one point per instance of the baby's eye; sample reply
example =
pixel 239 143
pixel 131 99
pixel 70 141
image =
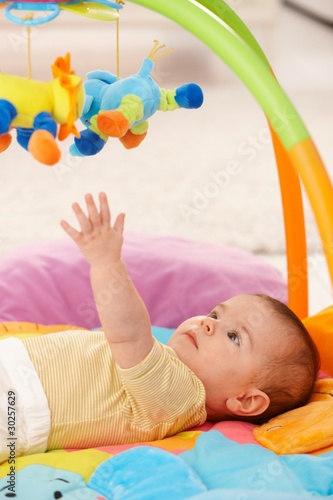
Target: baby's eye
pixel 233 337
pixel 212 315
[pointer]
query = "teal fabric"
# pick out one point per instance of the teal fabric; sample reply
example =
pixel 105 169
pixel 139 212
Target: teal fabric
pixel 227 465
pixel 162 334
pixel 146 473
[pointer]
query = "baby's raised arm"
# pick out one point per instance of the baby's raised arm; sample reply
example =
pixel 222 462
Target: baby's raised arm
pixel 121 310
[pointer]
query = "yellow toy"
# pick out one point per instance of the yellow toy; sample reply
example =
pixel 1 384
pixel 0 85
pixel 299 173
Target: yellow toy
pixel 35 109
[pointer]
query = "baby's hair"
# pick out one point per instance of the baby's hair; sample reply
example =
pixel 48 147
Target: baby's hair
pixel 288 377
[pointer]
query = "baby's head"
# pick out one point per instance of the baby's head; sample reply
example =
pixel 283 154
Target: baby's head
pixel 253 355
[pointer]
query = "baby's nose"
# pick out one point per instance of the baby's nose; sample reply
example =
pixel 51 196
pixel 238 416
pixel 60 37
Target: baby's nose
pixel 208 326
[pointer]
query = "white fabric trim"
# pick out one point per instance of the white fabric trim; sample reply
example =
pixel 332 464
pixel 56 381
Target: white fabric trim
pixel 24 414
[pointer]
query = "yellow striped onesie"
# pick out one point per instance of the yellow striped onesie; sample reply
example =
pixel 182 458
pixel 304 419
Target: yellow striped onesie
pixel 93 402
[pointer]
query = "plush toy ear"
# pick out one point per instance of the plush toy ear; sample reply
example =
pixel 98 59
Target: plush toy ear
pixel 87 104
pixel 92 90
pixel 253 402
pixel 102 75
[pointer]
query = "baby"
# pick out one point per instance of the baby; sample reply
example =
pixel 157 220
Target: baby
pixel 250 358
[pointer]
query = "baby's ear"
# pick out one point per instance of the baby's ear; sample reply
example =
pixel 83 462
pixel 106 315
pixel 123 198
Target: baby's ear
pixel 253 402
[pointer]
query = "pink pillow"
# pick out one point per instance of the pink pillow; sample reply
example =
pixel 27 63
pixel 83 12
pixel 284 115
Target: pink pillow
pixel 177 278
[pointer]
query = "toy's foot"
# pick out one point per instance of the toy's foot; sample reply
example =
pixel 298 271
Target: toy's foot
pixel 189 96
pixel 112 123
pixel 43 147
pixel 5 141
pixel 88 144
pixel 131 141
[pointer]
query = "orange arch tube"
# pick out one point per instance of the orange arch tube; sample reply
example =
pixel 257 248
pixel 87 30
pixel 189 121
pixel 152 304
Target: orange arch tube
pixel 306 160
pixel 294 226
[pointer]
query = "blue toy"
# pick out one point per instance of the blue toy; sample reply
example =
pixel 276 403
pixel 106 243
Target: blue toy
pixel 121 107
pixel 126 476
pixel 42 482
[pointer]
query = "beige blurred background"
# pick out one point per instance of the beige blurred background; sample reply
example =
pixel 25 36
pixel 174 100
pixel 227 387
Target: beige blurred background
pixel 184 150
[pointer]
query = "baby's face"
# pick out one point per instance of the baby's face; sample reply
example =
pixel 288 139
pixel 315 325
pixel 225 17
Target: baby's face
pixel 228 347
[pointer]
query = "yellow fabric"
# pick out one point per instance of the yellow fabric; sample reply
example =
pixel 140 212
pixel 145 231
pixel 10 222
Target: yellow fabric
pixel 305 429
pixel 30 97
pixel 94 403
pixel 320 327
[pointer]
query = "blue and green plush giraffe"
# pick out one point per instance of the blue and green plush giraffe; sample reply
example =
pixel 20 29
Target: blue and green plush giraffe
pixel 121 107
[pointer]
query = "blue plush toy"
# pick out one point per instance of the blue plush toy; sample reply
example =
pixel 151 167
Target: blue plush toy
pixel 121 107
pixel 125 476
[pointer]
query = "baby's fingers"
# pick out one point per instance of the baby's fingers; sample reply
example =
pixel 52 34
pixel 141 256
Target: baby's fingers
pixel 93 213
pixel 104 209
pixel 85 223
pixel 73 233
pixel 119 224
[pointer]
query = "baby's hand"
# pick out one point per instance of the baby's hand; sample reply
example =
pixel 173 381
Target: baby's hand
pixel 99 242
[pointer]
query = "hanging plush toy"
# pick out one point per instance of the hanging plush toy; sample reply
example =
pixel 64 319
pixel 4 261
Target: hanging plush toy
pixel 36 108
pixel 121 107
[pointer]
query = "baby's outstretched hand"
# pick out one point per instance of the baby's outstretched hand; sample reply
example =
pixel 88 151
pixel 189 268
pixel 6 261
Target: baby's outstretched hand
pixel 98 240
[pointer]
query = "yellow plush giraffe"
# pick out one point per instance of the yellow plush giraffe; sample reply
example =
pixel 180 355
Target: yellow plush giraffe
pixel 35 109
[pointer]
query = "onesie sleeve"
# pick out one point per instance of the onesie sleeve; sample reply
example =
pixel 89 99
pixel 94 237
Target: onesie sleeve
pixel 162 391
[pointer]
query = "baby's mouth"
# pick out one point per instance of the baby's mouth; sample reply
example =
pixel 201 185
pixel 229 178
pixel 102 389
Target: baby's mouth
pixel 192 338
